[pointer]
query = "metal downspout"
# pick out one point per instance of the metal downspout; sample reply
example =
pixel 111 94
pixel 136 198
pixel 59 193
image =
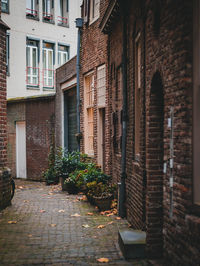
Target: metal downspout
pixel 122 196
pixel 79 25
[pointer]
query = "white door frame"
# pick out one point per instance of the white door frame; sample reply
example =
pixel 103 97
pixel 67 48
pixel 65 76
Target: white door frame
pixel 21 170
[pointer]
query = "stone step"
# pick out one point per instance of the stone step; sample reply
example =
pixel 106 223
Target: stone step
pixel 132 243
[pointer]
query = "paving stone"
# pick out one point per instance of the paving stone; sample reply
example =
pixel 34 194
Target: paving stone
pixel 45 236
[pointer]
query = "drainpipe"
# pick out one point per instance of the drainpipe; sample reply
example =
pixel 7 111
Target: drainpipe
pixel 122 191
pixel 79 25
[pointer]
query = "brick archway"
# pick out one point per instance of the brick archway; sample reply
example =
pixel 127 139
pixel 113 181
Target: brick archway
pixel 154 167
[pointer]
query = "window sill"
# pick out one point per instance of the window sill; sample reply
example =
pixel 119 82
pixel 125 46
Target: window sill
pixel 5 11
pixel 48 89
pixel 93 20
pixel 63 25
pixel 29 87
pixel 49 22
pixel 33 18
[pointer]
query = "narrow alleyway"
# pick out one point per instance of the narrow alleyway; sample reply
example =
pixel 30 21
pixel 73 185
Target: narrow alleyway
pixel 45 226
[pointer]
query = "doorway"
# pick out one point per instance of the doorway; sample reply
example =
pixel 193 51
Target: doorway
pixel 70 120
pixel 21 149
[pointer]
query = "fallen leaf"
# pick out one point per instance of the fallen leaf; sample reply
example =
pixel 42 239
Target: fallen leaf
pixel 84 198
pixel 30 235
pixel 101 226
pixel 90 213
pixel 26 201
pixel 111 222
pixel 53 225
pixel 118 218
pixel 42 211
pixel 20 187
pixel 75 215
pixel 110 214
pixel 12 222
pixel 103 260
pixel 85 226
pixel 61 211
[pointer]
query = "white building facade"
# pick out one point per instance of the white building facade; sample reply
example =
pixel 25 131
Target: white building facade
pixel 43 36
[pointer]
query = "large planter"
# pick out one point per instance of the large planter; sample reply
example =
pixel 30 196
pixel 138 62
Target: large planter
pixel 103 203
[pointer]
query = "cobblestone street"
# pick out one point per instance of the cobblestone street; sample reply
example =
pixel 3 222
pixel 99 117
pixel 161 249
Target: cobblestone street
pixel 45 226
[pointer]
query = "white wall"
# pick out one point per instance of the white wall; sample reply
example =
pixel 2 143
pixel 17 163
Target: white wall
pixel 21 27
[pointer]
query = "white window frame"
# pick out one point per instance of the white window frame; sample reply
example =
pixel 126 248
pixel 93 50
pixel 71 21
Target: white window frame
pixel 94 10
pixel 32 75
pixel 7 6
pixel 101 86
pixel 46 71
pixel 89 107
pixel 61 55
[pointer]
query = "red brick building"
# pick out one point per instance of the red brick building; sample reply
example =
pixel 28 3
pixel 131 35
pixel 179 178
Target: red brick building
pixel 4 171
pixel 95 104
pixel 31 131
pixel 151 56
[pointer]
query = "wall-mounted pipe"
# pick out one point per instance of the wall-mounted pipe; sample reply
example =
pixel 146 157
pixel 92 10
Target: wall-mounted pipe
pixel 79 25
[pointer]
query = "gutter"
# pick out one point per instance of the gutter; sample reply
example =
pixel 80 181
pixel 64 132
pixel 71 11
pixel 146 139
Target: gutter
pixel 79 25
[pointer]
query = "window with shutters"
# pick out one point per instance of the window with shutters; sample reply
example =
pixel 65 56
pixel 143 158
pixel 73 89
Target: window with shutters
pixel 63 54
pixel 63 11
pixel 32 67
pixel 101 86
pixel 89 116
pixel 94 10
pixel 32 9
pixel 137 95
pixel 48 11
pixel 5 6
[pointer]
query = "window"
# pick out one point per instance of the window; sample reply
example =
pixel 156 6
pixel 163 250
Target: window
pixel 32 69
pixel 48 65
pixel 7 53
pixel 89 116
pixel 94 10
pixel 196 106
pixel 48 11
pixel 5 6
pixel 101 86
pixel 32 8
pixel 63 54
pixel 137 95
pixel 63 18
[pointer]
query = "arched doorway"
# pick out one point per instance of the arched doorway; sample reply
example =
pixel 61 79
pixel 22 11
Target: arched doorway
pixel 154 167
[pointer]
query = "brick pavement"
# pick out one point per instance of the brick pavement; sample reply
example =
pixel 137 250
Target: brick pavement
pixel 45 232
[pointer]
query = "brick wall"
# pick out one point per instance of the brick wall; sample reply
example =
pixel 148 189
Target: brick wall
pixel 39 115
pixel 4 171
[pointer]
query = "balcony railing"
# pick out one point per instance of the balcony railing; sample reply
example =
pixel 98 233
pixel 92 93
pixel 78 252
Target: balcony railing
pixel 31 12
pixel 63 21
pixel 32 76
pixel 47 17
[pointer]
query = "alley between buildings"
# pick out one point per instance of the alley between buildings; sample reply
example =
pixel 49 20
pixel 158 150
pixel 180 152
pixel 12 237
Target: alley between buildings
pixel 45 226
